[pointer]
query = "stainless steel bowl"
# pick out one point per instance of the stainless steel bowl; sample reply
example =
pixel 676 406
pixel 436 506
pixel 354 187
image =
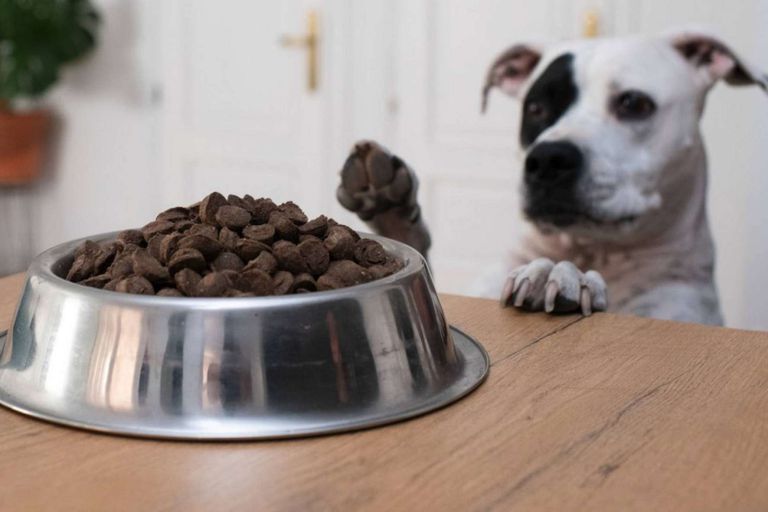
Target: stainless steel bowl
pixel 233 368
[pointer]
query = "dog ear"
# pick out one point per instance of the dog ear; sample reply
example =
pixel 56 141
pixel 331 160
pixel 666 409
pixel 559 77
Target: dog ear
pixel 714 60
pixel 510 70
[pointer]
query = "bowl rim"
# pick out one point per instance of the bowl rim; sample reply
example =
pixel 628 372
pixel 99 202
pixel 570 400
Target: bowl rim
pixel 42 267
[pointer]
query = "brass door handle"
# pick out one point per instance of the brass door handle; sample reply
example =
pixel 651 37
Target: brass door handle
pixel 308 42
pixel 591 24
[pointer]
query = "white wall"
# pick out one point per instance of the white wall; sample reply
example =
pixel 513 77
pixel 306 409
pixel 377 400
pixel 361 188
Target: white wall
pixel 105 169
pixel 735 128
pixel 752 311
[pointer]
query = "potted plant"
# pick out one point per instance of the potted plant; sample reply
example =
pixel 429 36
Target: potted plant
pixel 37 38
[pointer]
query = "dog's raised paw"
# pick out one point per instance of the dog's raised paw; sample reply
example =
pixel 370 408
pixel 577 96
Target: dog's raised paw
pixel 554 288
pixel 374 181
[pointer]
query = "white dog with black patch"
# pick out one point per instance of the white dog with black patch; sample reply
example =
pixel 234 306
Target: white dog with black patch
pixel 614 178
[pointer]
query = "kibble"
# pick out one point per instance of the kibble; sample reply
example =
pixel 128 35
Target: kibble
pixel 187 258
pixel 250 249
pixel 146 266
pixel 340 243
pixel 316 227
pixel 135 284
pixel 183 225
pixel 260 209
pixel 210 206
pixel 285 229
pixel 105 257
pixel 157 227
pixel 228 239
pixel 227 261
pixel 97 281
pixel 293 212
pixel 130 237
pixel 207 246
pixel 232 217
pixel 122 267
pixel 316 257
pixel 214 284
pixel 203 229
pixel 232 247
pixel 264 261
pixel 153 246
pixel 303 283
pixel 259 282
pixel 168 246
pixel 176 214
pixel 264 233
pixel 169 292
pixel 282 282
pixel 369 252
pixel 186 281
pixel 289 257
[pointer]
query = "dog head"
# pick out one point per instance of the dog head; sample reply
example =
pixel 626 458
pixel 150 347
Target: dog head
pixel 605 121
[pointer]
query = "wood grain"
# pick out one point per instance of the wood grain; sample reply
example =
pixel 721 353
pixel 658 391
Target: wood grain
pixel 10 288
pixel 604 413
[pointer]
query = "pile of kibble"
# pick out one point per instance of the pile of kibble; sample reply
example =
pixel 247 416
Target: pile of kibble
pixel 232 247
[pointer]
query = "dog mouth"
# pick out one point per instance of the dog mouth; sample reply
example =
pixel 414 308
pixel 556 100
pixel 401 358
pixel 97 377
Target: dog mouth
pixel 571 207
pixel 626 220
pixel 564 218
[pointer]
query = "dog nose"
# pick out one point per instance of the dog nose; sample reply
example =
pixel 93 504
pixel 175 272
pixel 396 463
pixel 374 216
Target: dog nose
pixel 551 163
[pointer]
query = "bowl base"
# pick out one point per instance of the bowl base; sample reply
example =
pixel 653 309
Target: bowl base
pixel 474 370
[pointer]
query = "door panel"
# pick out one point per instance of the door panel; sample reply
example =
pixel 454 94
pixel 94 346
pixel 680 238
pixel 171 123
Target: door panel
pixel 466 161
pixel 239 79
pixel 239 117
pixel 465 37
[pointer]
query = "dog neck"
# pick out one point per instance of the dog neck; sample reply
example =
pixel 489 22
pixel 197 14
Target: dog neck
pixel 677 231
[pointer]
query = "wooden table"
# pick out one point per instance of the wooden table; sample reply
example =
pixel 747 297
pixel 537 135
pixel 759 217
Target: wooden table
pixel 600 413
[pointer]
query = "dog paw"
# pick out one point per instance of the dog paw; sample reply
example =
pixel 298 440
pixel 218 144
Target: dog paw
pixel 554 288
pixel 374 181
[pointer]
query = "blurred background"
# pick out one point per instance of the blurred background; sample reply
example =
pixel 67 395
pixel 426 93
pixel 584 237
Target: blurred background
pixel 182 97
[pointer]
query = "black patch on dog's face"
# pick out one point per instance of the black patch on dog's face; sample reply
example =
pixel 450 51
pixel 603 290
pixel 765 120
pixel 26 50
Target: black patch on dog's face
pixel 548 99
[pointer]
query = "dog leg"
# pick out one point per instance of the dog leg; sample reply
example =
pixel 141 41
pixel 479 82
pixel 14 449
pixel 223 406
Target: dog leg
pixel 554 288
pixel 679 301
pixel 381 189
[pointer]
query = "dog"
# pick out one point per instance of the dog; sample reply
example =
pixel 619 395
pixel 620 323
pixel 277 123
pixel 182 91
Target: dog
pixel 614 178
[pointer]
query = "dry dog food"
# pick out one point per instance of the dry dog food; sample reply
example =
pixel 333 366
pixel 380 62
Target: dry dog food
pixel 232 247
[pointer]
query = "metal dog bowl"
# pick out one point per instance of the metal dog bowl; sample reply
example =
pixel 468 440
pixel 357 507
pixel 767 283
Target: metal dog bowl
pixel 233 368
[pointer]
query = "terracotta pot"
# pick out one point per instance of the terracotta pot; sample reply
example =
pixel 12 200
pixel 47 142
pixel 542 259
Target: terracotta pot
pixel 22 145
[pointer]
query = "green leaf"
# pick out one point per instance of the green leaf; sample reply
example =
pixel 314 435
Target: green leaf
pixel 37 38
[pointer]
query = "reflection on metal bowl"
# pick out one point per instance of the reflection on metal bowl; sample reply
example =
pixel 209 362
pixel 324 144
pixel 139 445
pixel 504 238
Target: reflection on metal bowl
pixel 233 368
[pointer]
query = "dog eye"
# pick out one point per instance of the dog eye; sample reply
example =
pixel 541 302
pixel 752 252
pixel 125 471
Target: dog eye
pixel 633 106
pixel 535 110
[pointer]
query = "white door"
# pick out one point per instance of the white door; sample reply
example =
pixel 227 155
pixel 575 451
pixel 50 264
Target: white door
pixel 467 163
pixel 240 116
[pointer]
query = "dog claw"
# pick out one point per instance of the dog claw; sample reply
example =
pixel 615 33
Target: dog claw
pixel 586 301
pixel 550 294
pixel 520 294
pixel 518 283
pixel 507 291
pixel 554 288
